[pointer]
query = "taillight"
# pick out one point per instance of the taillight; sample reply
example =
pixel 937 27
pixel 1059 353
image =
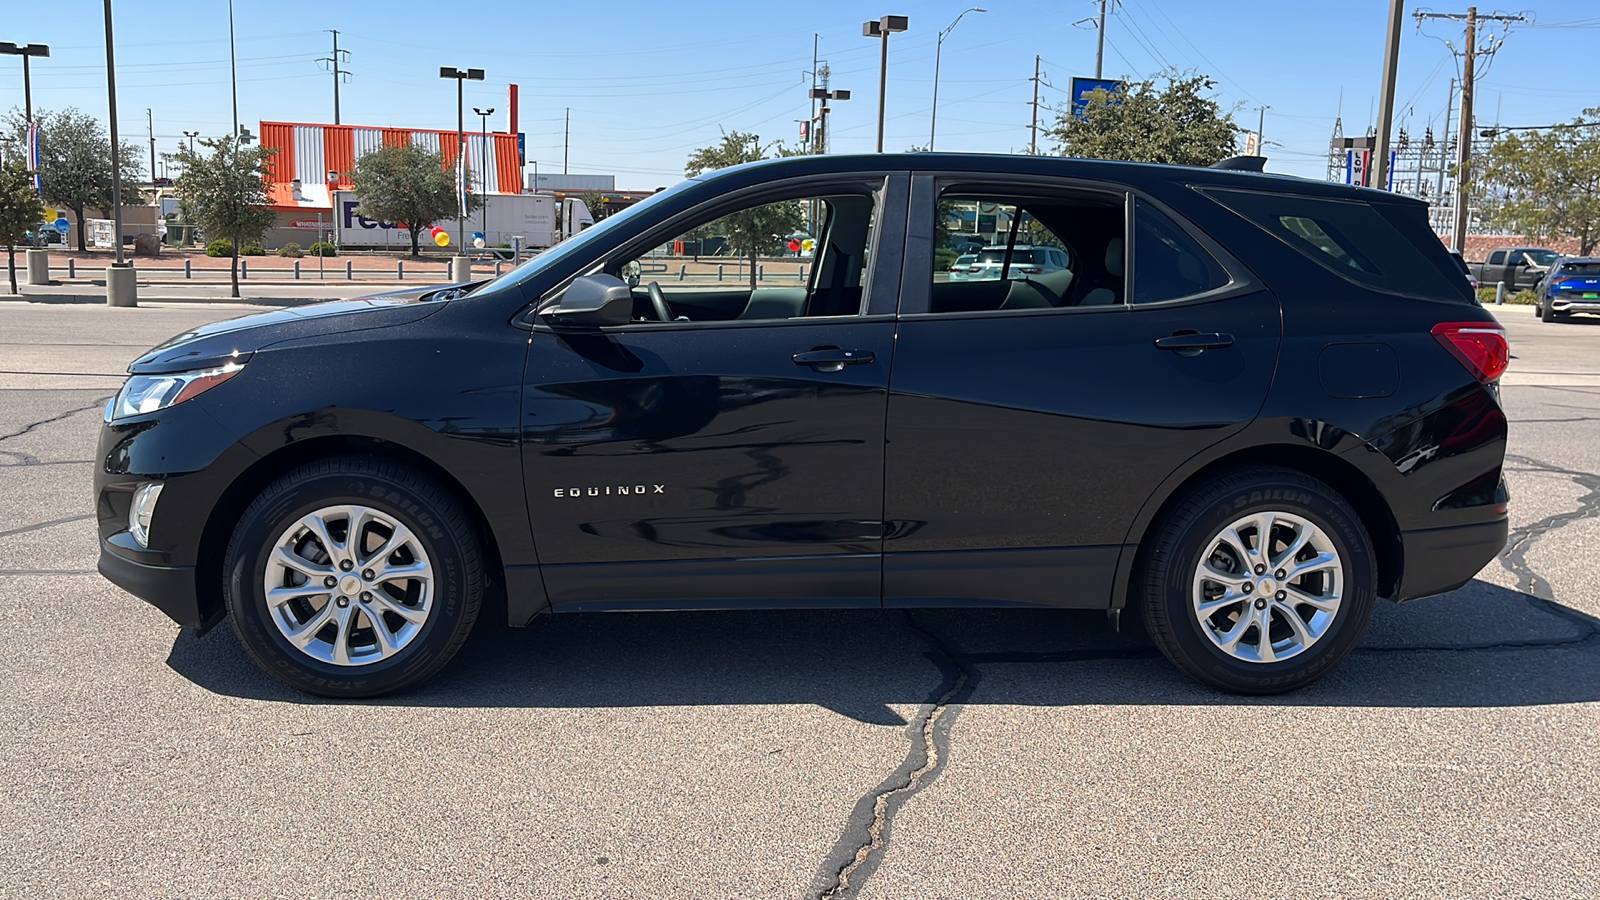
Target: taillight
pixel 1556 281
pixel 1480 346
pixel 1030 270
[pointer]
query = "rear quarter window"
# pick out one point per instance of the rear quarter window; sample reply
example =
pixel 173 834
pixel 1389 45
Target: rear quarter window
pixel 1354 240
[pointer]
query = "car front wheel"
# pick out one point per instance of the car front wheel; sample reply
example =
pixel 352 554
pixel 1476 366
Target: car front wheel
pixel 1258 582
pixel 353 577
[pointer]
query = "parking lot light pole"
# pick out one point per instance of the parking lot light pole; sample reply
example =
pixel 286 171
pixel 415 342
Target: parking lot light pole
pixel 462 76
pixel 819 141
pixel 933 121
pixel 881 29
pixel 483 160
pixel 26 51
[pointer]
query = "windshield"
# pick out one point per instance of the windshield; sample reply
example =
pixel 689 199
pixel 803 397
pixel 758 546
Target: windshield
pixel 1541 257
pixel 595 235
pixel 1587 268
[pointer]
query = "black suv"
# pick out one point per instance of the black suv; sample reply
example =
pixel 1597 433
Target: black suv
pixel 1249 407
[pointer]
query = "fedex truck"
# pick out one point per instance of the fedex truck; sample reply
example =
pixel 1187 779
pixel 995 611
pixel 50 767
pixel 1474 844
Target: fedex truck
pixel 541 220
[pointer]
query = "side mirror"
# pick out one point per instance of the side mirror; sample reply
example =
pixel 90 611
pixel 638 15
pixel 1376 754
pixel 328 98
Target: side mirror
pixel 594 301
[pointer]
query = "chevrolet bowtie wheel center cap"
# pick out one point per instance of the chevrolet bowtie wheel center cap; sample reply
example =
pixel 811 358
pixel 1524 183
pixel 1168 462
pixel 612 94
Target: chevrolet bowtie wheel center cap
pixel 350 585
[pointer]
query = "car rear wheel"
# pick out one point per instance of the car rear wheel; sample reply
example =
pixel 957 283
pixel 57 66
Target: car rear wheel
pixel 1258 582
pixel 353 577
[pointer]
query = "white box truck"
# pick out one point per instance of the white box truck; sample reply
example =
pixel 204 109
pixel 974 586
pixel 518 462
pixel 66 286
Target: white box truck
pixel 533 217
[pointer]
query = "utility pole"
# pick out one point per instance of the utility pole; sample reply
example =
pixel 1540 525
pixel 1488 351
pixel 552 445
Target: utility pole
pixel 1100 43
pixel 1464 136
pixel 1444 147
pixel 1391 64
pixel 338 75
pixel 811 123
pixel 1261 132
pixel 566 141
pixel 1033 144
pixel 150 123
pixel 116 147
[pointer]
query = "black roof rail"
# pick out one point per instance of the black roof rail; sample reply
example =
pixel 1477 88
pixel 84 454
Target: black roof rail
pixel 1242 164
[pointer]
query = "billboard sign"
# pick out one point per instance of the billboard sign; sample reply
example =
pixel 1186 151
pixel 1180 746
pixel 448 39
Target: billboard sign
pixel 1357 165
pixel 1082 87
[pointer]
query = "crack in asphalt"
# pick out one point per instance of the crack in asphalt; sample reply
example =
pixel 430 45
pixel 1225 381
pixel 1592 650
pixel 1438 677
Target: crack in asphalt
pixel 38 525
pixel 97 404
pixel 859 850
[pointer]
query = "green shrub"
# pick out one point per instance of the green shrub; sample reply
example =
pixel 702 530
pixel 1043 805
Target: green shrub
pixel 252 250
pixel 1520 298
pixel 943 259
pixel 291 250
pixel 323 248
pixel 219 248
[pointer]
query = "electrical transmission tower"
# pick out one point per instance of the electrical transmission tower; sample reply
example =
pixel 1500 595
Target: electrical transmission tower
pixel 339 75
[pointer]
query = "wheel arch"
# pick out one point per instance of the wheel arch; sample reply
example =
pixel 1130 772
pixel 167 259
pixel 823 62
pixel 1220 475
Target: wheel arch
pixel 264 470
pixel 1331 468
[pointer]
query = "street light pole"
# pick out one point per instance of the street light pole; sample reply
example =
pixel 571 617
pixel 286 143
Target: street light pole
pixel 483 160
pixel 881 29
pixel 26 51
pixel 191 135
pixel 233 72
pixel 116 155
pixel 462 76
pixel 1391 63
pixel 933 120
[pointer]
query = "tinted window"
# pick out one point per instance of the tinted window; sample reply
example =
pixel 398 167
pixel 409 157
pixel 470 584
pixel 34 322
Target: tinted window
pixel 1062 253
pixel 1353 240
pixel 1542 257
pixel 1167 262
pixel 1497 258
pixel 1582 269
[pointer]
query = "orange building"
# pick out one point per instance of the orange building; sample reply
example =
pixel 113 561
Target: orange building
pixel 311 161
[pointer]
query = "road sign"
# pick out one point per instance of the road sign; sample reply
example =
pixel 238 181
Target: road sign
pixel 1081 88
pixel 61 224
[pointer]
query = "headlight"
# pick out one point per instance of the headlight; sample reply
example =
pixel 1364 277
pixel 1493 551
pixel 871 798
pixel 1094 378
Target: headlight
pixel 152 393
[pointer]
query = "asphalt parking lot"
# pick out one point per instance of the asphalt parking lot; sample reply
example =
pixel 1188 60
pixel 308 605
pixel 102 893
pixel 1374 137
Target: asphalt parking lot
pixel 937 754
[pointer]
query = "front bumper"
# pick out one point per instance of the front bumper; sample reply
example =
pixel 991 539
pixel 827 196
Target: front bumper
pixel 1439 560
pixel 170 589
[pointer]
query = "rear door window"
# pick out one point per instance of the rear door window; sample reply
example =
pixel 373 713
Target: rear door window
pixel 1168 263
pixel 1351 239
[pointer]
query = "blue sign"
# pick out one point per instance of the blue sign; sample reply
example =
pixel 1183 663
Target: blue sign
pixel 1081 88
pixel 61 224
pixel 522 149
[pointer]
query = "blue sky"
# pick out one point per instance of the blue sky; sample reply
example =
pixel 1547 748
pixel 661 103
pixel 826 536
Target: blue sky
pixel 647 83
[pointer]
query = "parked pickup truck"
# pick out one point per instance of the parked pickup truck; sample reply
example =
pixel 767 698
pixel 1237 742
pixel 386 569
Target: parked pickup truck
pixel 1519 267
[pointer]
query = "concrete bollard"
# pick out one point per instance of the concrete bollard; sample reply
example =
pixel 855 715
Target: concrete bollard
pixel 802 273
pixel 497 268
pixel 297 270
pixel 38 266
pixel 188 269
pixel 460 269
pixel 1499 293
pixel 400 269
pixel 683 272
pixel 244 269
pixel 719 273
pixel 761 273
pixel 72 268
pixel 349 270
pixel 122 286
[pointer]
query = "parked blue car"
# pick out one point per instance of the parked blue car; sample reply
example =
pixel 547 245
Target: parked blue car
pixel 1573 286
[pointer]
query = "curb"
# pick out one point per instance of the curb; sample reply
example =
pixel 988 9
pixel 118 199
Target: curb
pixel 101 299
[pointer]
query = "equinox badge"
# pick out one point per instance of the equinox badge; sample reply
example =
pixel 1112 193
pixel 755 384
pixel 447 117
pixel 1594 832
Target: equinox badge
pixel 610 491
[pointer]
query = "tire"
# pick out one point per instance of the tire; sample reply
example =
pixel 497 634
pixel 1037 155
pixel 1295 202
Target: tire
pixel 1546 314
pixel 1170 584
pixel 416 573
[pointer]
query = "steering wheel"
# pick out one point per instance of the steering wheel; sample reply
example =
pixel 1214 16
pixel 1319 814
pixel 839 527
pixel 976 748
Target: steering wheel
pixel 659 301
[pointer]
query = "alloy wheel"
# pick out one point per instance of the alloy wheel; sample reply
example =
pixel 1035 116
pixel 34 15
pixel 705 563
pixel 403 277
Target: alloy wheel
pixel 1268 587
pixel 348 585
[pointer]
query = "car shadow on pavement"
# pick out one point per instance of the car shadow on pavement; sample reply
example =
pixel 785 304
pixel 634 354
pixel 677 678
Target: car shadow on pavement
pixel 1482 646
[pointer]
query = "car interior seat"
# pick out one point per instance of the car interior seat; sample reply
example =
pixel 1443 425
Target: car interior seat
pixel 1104 294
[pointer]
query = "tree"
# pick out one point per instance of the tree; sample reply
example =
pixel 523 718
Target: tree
pixel 20 210
pixel 1546 184
pixel 1176 124
pixel 75 161
pixel 224 191
pixel 409 186
pixel 595 201
pixel 759 229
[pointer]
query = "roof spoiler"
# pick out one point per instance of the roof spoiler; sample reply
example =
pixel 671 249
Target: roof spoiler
pixel 1242 164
